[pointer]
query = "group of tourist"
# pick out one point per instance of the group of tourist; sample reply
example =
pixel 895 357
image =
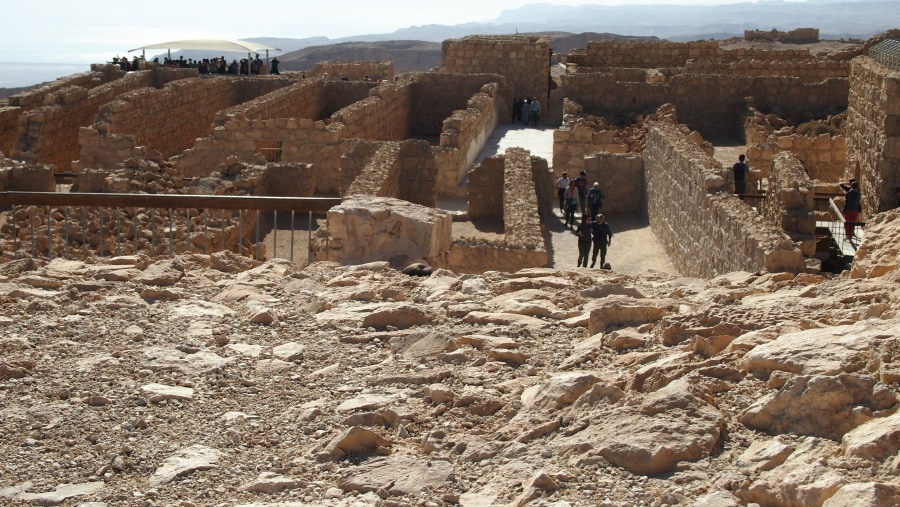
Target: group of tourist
pixel 574 196
pixel 218 65
pixel 530 109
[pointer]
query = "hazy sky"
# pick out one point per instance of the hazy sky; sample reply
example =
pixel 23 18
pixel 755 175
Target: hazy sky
pixel 84 31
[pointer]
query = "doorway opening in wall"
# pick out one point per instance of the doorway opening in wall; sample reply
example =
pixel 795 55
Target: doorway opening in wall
pixel 269 149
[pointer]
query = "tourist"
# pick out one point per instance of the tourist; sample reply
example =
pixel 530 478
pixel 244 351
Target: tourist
pixel 595 199
pixel 740 169
pixel 561 185
pixel 233 68
pixel 535 109
pixel 526 110
pixel 275 63
pixel 581 183
pixel 571 197
pixel 324 76
pixel 602 236
pixel 584 241
pixel 852 206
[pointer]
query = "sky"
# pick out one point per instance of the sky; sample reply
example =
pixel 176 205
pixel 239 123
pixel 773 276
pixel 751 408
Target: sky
pixel 86 31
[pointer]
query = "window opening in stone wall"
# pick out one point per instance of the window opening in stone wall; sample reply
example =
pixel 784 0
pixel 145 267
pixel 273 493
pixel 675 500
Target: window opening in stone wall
pixel 271 150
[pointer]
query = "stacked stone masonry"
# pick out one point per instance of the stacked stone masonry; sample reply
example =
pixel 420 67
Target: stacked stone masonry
pixel 873 133
pixel 823 156
pixel 705 230
pixel 523 60
pixel 353 71
pixel 520 209
pixel 790 202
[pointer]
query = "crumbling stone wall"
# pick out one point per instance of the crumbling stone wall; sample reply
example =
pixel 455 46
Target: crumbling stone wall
pixel 873 133
pixel 354 71
pixel 438 97
pixel 9 127
pixel 621 178
pixel 523 60
pixel 823 156
pixel 790 202
pixel 693 213
pixel 522 244
pixel 578 138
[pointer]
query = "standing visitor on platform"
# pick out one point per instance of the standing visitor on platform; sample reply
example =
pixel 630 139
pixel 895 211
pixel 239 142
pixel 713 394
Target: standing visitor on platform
pixel 740 169
pixel 852 207
pixel 535 109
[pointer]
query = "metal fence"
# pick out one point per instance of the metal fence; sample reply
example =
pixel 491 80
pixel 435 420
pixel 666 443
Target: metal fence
pixel 69 225
pixel 887 53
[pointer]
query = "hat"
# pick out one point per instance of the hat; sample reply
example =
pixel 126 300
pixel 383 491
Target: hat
pixel 599 216
pixel 596 184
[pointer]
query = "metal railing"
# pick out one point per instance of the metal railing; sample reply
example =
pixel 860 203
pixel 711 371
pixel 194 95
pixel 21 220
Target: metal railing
pixel 71 224
pixel 887 53
pixel 846 235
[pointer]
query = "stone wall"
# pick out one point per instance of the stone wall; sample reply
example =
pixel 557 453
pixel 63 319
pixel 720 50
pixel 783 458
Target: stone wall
pixel 709 104
pixel 671 54
pixel 693 213
pixel 823 156
pixel 383 116
pixel 799 35
pixel 354 71
pixel 365 228
pixel 27 178
pixel 578 138
pixel 50 134
pixel 522 244
pixel 621 178
pixel 403 170
pixel 304 99
pixel 523 60
pixel 873 133
pixel 790 202
pixel 170 119
pixel 806 70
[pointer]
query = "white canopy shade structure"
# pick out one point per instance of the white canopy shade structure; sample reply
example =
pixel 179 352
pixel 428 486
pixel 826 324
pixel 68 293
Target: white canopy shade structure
pixel 210 45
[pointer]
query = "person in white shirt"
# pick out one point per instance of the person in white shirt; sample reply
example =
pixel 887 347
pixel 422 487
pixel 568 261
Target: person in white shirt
pixel 561 185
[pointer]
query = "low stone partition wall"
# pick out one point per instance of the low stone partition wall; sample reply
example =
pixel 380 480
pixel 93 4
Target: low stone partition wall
pixel 286 140
pixel 486 187
pixel 621 178
pixel 382 116
pixel 403 170
pixel 705 230
pixel 578 138
pixel 354 71
pixel 366 228
pixel 26 178
pixel 9 128
pixel 873 126
pixel 522 244
pixel 671 54
pixel 807 70
pixel 466 132
pixel 706 103
pixel 790 202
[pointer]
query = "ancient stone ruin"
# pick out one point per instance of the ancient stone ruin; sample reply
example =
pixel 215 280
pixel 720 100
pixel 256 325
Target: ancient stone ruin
pixel 160 355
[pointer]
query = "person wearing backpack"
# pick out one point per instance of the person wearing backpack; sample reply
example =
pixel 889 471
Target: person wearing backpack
pixel 595 199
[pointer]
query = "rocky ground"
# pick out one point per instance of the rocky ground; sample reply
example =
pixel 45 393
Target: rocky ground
pixel 213 380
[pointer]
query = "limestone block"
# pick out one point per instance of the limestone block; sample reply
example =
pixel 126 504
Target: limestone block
pixel 368 228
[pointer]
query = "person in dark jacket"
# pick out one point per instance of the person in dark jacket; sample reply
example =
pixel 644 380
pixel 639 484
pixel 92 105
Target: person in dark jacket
pixel 602 237
pixel 852 207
